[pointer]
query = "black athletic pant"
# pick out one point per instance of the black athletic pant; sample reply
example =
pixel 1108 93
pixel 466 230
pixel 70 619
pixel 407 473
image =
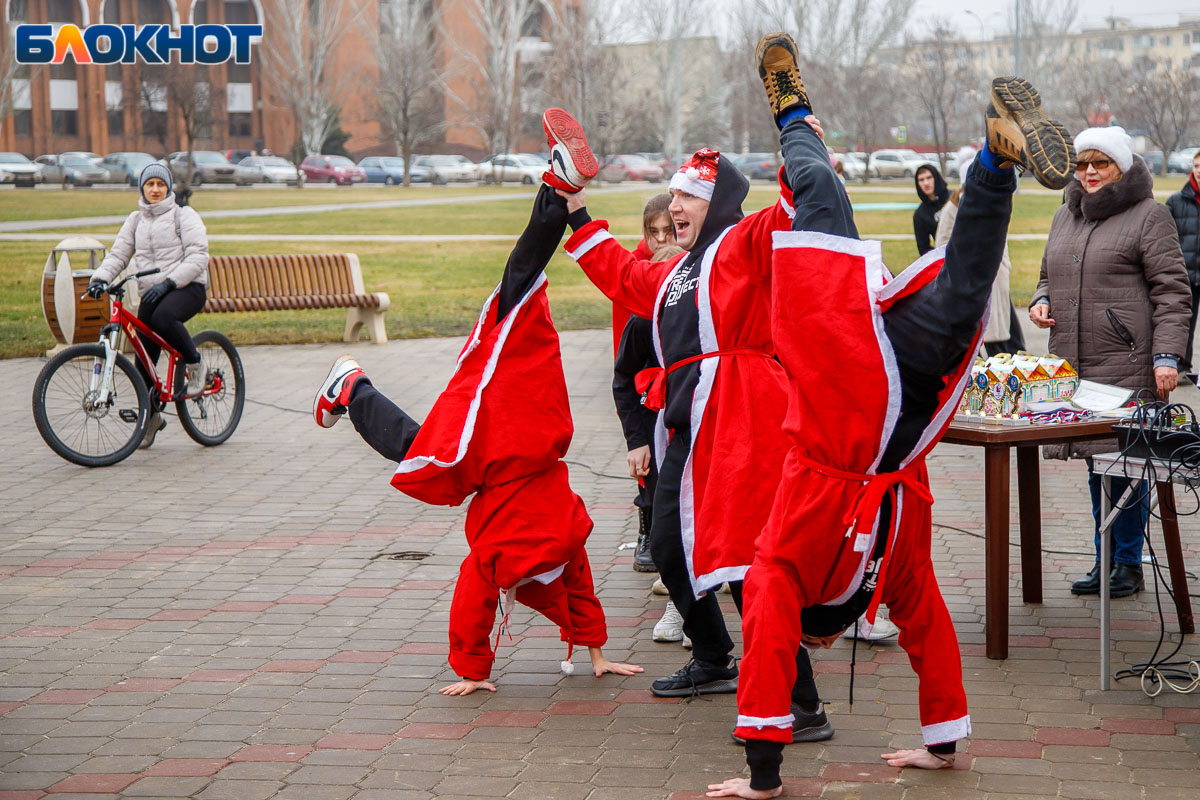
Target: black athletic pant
pixel 166 318
pixel 384 425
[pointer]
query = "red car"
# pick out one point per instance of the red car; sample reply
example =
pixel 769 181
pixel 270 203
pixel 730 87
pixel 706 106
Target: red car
pixel 631 168
pixel 332 169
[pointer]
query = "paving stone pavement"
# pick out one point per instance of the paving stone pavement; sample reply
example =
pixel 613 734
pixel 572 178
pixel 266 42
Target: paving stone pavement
pixel 224 623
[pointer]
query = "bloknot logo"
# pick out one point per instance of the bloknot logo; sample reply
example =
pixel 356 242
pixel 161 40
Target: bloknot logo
pixel 128 44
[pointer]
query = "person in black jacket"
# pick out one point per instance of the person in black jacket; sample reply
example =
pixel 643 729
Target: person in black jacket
pixel 931 189
pixel 1185 208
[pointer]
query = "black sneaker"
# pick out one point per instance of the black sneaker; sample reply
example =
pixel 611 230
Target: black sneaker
pixel 808 727
pixel 698 677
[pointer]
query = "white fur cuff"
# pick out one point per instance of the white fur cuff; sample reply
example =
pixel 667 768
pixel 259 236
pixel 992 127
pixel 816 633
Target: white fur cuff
pixel 693 186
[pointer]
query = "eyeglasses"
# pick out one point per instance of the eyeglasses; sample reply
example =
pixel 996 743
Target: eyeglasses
pixel 1099 164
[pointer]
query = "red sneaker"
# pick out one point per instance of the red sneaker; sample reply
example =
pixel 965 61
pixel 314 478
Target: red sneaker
pixel 572 164
pixel 330 403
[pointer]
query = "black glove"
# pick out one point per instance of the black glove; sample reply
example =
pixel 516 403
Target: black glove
pixel 158 291
pixel 96 289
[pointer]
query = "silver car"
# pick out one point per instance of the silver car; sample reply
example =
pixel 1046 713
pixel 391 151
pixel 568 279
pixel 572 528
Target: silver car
pixel 19 170
pixel 71 170
pixel 208 166
pixel 444 169
pixel 269 169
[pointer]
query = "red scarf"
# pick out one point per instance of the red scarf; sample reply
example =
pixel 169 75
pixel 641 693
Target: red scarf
pixel 1195 188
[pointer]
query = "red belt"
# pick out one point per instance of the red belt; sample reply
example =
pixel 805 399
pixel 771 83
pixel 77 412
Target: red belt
pixel 865 509
pixel 652 381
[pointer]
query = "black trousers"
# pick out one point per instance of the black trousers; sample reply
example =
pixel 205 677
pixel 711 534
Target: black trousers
pixel 703 621
pixel 387 428
pixel 166 318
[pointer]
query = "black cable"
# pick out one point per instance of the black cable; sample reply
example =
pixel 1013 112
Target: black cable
pixel 594 471
pixel 1010 544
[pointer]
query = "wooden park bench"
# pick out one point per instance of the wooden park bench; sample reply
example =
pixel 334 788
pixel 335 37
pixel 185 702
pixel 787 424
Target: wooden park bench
pixel 294 282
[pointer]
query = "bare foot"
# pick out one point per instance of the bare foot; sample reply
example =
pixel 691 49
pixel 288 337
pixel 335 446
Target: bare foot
pixel 922 759
pixel 740 787
pixel 601 665
pixel 466 686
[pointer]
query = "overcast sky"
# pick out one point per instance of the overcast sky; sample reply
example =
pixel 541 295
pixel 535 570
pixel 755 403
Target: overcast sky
pixel 1143 13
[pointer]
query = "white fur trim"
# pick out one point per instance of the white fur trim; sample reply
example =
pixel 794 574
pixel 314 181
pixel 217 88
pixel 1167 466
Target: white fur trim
pixel 567 667
pixel 943 732
pixel 661 439
pixel 708 374
pixel 692 186
pixel 865 248
pixel 788 208
pixel 877 277
pixel 588 243
pixel 1113 141
pixel 744 721
pixel 418 462
pixel 895 285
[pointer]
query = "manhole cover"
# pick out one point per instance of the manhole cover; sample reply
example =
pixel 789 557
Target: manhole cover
pixel 403 555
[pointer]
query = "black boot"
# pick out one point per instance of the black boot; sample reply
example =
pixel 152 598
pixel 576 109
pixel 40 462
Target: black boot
pixel 642 562
pixel 1088 585
pixel 1126 580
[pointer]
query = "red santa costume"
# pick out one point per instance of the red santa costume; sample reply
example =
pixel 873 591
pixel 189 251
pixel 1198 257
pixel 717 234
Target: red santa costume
pixel 730 394
pixel 525 526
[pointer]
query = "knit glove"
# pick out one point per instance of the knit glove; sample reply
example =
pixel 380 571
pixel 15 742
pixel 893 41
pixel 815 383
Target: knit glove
pixel 96 289
pixel 158 291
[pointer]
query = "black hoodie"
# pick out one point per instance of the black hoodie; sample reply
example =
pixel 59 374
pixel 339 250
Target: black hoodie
pixel 925 218
pixel 679 316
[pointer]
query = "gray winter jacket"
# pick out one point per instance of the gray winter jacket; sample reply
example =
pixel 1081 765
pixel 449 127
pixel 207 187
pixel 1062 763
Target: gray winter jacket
pixel 151 233
pixel 1117 287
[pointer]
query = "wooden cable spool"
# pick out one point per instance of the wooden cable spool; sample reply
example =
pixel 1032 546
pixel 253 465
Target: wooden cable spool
pixel 68 271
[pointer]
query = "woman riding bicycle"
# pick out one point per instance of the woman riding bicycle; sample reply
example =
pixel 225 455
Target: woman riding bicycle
pixel 172 239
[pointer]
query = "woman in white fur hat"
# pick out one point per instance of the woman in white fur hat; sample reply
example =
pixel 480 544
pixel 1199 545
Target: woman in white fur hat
pixel 1114 294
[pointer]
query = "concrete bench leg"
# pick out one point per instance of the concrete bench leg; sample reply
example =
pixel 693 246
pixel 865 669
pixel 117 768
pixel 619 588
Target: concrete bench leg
pixel 372 318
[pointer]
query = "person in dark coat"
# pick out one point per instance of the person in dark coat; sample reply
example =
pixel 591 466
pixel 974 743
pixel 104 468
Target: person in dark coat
pixel 933 193
pixel 1184 206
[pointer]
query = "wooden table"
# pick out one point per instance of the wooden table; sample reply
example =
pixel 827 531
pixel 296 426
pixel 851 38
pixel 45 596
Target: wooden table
pixel 996 440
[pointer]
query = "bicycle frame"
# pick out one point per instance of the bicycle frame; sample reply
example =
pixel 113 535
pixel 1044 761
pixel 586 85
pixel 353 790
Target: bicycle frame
pixel 121 321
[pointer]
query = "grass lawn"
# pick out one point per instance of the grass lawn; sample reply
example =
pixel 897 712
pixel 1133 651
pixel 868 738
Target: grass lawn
pixel 435 289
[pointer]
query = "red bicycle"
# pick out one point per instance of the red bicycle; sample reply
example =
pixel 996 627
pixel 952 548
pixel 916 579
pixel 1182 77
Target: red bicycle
pixel 91 405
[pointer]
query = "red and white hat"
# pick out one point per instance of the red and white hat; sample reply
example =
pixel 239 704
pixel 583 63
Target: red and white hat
pixel 698 175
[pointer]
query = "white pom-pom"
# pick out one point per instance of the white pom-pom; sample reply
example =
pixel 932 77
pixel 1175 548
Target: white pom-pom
pixel 693 173
pixel 567 667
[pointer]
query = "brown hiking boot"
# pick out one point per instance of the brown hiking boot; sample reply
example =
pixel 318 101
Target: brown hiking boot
pixel 1019 132
pixel 778 60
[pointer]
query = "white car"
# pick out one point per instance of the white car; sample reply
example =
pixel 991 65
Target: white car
pixel 522 167
pixel 269 169
pixel 19 170
pixel 446 169
pixel 854 166
pixel 899 163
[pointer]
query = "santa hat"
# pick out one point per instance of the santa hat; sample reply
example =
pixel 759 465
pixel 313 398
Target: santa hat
pixel 698 175
pixel 1113 141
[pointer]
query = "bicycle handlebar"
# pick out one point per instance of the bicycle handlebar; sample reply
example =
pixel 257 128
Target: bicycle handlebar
pixel 114 287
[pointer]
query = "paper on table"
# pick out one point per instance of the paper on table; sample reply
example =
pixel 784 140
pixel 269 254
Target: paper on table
pixel 1098 397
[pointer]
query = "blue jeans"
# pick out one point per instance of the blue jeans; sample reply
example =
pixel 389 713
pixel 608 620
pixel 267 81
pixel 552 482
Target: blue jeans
pixel 1129 529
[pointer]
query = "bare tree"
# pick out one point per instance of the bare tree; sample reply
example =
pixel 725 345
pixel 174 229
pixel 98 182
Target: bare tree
pixel 10 72
pixel 410 81
pixel 493 111
pixel 300 54
pixel 1160 99
pixel 1044 25
pixel 940 76
pixel 665 24
pixel 188 93
pixel 1082 85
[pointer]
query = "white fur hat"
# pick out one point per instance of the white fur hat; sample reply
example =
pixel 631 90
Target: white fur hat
pixel 966 155
pixel 1113 141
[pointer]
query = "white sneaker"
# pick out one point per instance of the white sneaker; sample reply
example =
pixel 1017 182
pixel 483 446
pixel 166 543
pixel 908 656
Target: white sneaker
pixel 687 643
pixel 882 629
pixel 659 587
pixel 330 403
pixel 195 379
pixel 670 627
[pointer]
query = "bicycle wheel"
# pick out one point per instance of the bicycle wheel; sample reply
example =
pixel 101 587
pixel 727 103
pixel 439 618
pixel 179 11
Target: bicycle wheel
pixel 73 424
pixel 211 418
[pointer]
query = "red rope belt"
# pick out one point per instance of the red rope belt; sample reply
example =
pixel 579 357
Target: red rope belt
pixel 652 381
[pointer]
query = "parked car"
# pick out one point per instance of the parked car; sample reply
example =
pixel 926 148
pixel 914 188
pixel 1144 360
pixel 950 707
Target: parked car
pixel 523 167
pixel 745 161
pixel 854 166
pixel 71 169
pixel 269 169
pixel 899 163
pixel 1153 160
pixel 19 170
pixel 389 170
pixel 125 167
pixel 444 169
pixel 237 156
pixel 208 166
pixel 93 157
pixel 332 169
pixel 631 167
pixel 759 166
pixel 1181 160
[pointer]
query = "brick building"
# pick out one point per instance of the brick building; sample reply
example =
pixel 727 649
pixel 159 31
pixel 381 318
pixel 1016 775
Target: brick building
pixel 111 108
